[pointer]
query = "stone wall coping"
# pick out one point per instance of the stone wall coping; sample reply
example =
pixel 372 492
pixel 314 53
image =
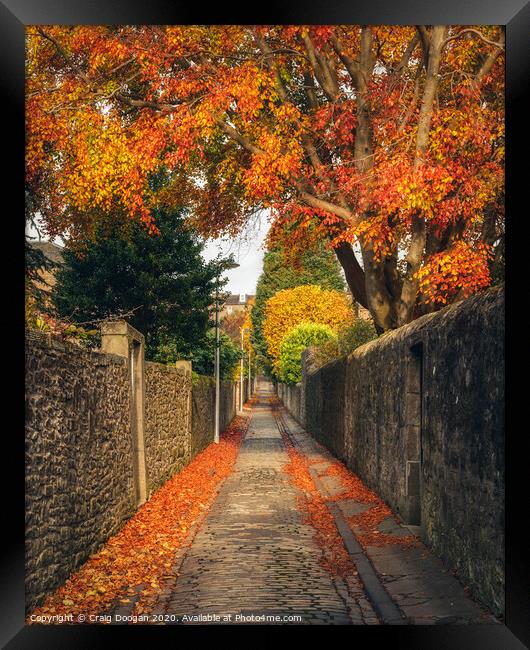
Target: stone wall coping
pixel 123 328
pixel 46 340
pixel 418 325
pixel 166 368
pixel 185 365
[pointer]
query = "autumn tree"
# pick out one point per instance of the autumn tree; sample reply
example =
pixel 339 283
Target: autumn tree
pixel 315 265
pixel 231 325
pixel 308 303
pixel 386 139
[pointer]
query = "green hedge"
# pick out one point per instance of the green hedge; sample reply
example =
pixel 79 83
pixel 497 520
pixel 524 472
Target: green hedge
pixel 295 342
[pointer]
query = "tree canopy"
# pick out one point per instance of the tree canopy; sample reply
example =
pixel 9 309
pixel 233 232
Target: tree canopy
pixel 387 137
pixel 308 303
pixel 229 356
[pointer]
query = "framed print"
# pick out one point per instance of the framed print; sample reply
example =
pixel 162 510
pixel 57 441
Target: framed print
pixel 266 263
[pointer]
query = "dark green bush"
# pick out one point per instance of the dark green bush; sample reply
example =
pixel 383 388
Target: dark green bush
pixel 355 335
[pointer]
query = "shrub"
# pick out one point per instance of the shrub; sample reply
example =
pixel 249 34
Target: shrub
pixel 348 339
pixel 324 353
pixel 359 333
pixel 295 342
pixel 308 303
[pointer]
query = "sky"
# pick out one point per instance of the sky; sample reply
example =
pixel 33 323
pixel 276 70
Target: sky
pixel 247 249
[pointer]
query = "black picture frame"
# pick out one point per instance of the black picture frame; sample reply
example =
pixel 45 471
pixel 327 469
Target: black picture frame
pixel 515 15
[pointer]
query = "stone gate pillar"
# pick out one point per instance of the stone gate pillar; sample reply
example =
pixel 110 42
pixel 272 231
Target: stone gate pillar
pixel 118 337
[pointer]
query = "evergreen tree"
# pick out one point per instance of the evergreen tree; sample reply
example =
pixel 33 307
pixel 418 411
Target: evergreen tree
pixel 159 283
pixel 229 356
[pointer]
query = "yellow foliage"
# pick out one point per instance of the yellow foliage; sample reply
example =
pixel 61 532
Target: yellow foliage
pixel 307 303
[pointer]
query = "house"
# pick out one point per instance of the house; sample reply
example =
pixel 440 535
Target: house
pixel 236 303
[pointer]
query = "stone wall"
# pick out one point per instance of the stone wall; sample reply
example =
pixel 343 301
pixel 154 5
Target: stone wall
pixel 92 440
pixel 79 477
pixel 291 396
pixel 167 422
pixel 418 414
pixel 245 390
pixel 203 411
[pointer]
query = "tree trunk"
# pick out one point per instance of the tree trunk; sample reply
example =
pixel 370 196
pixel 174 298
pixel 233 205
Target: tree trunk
pixel 354 273
pixel 380 301
pixel 378 297
pixel 419 231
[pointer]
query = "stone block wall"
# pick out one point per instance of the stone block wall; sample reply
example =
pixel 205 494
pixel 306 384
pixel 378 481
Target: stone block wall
pixel 291 396
pixel 79 476
pixel 167 422
pixel 245 390
pixel 203 411
pixel 418 414
pixel 82 459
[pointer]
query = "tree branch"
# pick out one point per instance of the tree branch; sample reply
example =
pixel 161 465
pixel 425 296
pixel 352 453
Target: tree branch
pixel 469 30
pixel 407 53
pixel 488 63
pixel 63 53
pixel 418 236
pixel 322 204
pixel 235 135
pixel 424 40
pixel 317 68
pixel 353 272
pixel 350 64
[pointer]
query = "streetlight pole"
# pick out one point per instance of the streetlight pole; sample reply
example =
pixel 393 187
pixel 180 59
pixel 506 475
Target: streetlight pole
pixel 241 370
pixel 217 363
pixel 229 265
pixel 249 374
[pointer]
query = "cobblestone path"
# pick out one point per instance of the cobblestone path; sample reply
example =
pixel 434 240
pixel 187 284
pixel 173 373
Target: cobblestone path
pixel 254 555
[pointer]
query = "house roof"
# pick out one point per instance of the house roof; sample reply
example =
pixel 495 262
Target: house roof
pixel 235 298
pixel 53 252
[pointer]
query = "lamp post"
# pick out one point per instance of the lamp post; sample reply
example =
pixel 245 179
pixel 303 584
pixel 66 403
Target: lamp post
pixel 242 366
pixel 223 267
pixel 249 374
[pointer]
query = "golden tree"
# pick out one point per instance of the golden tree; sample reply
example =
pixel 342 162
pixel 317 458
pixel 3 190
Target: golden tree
pixel 308 303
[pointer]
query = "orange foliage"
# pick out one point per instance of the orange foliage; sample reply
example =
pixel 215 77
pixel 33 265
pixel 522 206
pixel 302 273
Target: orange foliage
pixel 241 118
pixel 142 554
pixel 231 324
pixel 459 271
pixel 335 557
pixel 368 520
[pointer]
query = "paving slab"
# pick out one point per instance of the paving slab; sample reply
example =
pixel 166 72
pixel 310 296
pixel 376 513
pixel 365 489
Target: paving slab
pixel 350 507
pixel 390 526
pixel 414 578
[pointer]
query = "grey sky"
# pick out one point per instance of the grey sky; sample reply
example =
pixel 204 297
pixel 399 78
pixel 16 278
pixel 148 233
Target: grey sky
pixel 248 251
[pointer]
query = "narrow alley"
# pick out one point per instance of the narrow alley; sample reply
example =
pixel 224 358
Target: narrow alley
pixel 257 556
